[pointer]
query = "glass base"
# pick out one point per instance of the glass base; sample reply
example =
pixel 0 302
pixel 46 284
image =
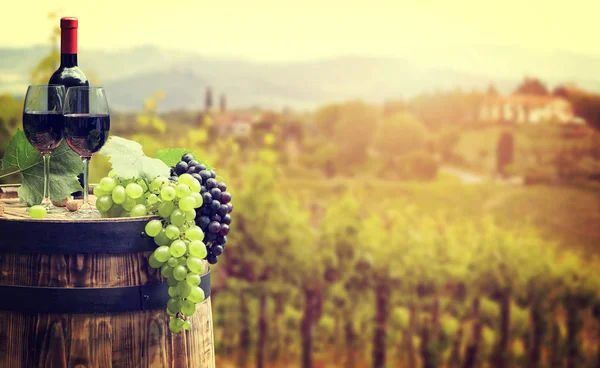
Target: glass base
pixel 54 209
pixel 84 214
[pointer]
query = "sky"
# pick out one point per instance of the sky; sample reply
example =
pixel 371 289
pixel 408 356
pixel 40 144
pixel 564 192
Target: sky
pixel 284 30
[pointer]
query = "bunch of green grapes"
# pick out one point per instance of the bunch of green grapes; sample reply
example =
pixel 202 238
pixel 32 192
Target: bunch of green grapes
pixel 180 249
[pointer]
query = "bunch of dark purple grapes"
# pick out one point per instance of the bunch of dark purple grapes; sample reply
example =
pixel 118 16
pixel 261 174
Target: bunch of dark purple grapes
pixel 214 217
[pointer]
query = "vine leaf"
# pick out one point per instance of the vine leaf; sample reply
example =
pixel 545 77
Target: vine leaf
pixel 129 161
pixel 65 165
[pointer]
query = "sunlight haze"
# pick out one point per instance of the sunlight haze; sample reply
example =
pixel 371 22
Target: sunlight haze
pixel 281 31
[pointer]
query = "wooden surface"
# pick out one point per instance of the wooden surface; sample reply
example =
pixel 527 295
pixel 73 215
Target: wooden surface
pixel 128 340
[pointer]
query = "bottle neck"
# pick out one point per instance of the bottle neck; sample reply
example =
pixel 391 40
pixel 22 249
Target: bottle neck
pixel 68 47
pixel 68 60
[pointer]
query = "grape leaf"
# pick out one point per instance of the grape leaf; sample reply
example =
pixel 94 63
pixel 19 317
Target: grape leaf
pixel 65 165
pixel 171 156
pixel 129 161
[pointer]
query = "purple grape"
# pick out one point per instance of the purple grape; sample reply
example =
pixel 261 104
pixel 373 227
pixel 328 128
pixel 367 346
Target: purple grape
pixel 223 210
pixel 214 206
pixel 181 167
pixel 210 237
pixel 215 193
pixel 221 240
pixel 230 205
pixel 203 222
pixel 222 186
pixel 205 174
pixel 207 198
pixel 205 210
pixel 217 250
pixel 193 170
pixel 216 217
pixel 173 178
pixel 203 189
pixel 213 174
pixel 194 163
pixel 226 220
pixel 224 230
pixel 187 157
pixel 225 197
pixel 202 166
pixel 210 183
pixel 212 259
pixel 214 227
pixel 197 177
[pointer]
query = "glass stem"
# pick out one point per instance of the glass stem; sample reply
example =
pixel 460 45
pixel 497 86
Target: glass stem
pixel 86 165
pixel 46 200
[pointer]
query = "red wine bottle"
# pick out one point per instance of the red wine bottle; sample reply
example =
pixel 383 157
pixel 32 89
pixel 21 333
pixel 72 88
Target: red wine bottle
pixel 68 73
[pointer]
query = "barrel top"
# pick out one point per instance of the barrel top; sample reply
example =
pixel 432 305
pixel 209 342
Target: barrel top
pixel 58 233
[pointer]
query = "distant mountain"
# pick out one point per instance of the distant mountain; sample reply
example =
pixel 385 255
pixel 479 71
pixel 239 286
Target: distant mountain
pixel 133 74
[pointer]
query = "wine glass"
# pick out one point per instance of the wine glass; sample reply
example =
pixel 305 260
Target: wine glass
pixel 43 126
pixel 86 126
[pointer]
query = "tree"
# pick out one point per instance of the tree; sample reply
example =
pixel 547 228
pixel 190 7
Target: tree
pixel 208 99
pixel 531 86
pixel 585 104
pixel 399 134
pixel 504 152
pixel 223 103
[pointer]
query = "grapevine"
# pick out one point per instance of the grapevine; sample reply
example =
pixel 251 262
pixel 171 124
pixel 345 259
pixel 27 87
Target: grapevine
pixel 194 211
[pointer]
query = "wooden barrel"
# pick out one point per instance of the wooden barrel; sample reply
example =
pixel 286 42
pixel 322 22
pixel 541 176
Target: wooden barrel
pixel 80 293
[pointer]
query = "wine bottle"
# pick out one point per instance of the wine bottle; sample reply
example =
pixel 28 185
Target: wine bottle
pixel 68 73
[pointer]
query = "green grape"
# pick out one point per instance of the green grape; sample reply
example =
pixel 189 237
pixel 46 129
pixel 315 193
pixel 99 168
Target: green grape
pixel 194 233
pixel 182 190
pixel 177 217
pixel 184 289
pixel 187 203
pixel 172 231
pixel 129 204
pixel 172 282
pixel 177 248
pixel 171 314
pixel 134 190
pixel 187 325
pixel 107 184
pixel 165 209
pixel 197 295
pixel 195 186
pixel 186 179
pixel 38 212
pixel 154 263
pixel 175 325
pixel 104 203
pixel 152 199
pixel 188 308
pixel 182 260
pixel 111 174
pixel 195 265
pixel 142 183
pixel 198 198
pixel 179 272
pixel 167 193
pixel 98 192
pixel 153 228
pixel 161 238
pixel 141 200
pixel 162 253
pixel 139 210
pixel 173 292
pixel 192 279
pixel 174 304
pixel 118 195
pixel 115 211
pixel 173 262
pixel 166 271
pixel 157 184
pixel 198 249
pixel 190 215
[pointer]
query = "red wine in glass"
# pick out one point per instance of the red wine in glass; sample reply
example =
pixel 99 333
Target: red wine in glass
pixel 86 133
pixel 44 130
